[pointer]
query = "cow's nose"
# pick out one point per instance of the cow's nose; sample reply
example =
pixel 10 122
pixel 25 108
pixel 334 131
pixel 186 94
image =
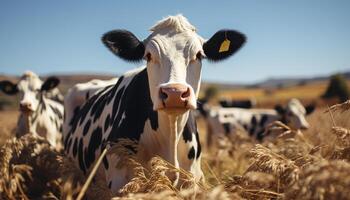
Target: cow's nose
pixel 175 95
pixel 25 107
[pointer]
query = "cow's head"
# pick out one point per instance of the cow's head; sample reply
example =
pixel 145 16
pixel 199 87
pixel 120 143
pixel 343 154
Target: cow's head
pixel 174 53
pixel 294 114
pixel 30 89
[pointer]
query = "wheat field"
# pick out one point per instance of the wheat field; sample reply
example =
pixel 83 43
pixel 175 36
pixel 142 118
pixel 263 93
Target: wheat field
pixel 313 164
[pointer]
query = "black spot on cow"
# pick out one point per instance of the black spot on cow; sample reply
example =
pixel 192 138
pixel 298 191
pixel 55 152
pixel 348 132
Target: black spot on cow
pixel 135 103
pixel 81 156
pixel 86 127
pixel 254 121
pixel 110 185
pixel 69 143
pixel 260 136
pixel 191 153
pixel 263 120
pixel 227 128
pixel 75 147
pixel 199 147
pixel 245 126
pixel 94 144
pixel 105 162
pixel 107 122
pixel 87 95
pixel 190 127
pixel 57 112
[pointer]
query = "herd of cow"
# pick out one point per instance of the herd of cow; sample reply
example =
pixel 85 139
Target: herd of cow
pixel 155 105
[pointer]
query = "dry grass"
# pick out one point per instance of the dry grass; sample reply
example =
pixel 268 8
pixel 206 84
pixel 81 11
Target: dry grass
pixel 313 164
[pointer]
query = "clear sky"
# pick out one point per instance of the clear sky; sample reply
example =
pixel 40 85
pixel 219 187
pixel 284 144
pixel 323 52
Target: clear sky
pixel 285 38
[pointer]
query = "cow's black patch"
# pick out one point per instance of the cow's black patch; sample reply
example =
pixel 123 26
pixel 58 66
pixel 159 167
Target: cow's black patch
pixel 57 112
pixel 94 144
pixel 245 126
pixel 190 127
pixel 107 122
pixel 227 128
pixel 87 95
pixel 86 127
pixel 136 105
pixel 105 162
pixel 110 184
pixel 199 147
pixel 191 153
pixel 254 121
pixel 263 120
pixel 81 156
pixel 69 143
pixel 75 147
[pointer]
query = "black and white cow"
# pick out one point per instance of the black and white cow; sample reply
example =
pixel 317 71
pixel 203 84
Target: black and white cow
pixel 225 121
pixel 153 104
pixel 39 114
pixel 247 103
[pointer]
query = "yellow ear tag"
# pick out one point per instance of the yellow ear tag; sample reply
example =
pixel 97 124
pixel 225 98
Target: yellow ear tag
pixel 225 45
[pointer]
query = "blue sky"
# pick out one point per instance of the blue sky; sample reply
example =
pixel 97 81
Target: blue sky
pixel 285 38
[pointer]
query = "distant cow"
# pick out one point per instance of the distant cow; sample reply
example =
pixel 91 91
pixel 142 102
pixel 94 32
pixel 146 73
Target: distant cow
pixel 224 121
pixel 248 103
pixel 151 105
pixel 39 114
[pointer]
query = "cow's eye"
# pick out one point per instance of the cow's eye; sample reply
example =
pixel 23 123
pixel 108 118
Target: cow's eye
pixel 199 56
pixel 148 57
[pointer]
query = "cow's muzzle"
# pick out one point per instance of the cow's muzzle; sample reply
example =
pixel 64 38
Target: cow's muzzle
pixel 175 96
pixel 26 108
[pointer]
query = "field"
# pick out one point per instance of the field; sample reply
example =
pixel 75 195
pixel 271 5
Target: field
pixel 312 164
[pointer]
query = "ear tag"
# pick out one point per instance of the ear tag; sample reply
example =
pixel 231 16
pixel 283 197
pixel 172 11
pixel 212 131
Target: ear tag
pixel 225 45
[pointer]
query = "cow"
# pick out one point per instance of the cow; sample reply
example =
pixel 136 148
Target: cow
pixel 226 121
pixel 245 103
pixel 39 114
pixel 153 104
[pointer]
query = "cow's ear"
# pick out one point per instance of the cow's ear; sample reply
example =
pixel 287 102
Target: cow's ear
pixel 50 83
pixel 223 44
pixel 280 110
pixel 124 44
pixel 310 109
pixel 8 87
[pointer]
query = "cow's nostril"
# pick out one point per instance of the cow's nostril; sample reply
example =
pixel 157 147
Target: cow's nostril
pixel 186 94
pixel 162 95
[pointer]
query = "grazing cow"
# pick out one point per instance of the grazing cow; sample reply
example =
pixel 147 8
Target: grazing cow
pixel 249 103
pixel 79 93
pixel 38 113
pixel 152 105
pixel 225 121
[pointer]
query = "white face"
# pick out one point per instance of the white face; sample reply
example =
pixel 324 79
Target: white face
pixel 29 91
pixel 295 114
pixel 174 63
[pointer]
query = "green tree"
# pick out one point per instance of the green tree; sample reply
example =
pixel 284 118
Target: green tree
pixel 337 88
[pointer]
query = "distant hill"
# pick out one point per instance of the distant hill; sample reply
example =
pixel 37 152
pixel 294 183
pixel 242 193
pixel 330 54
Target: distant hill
pixel 69 80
